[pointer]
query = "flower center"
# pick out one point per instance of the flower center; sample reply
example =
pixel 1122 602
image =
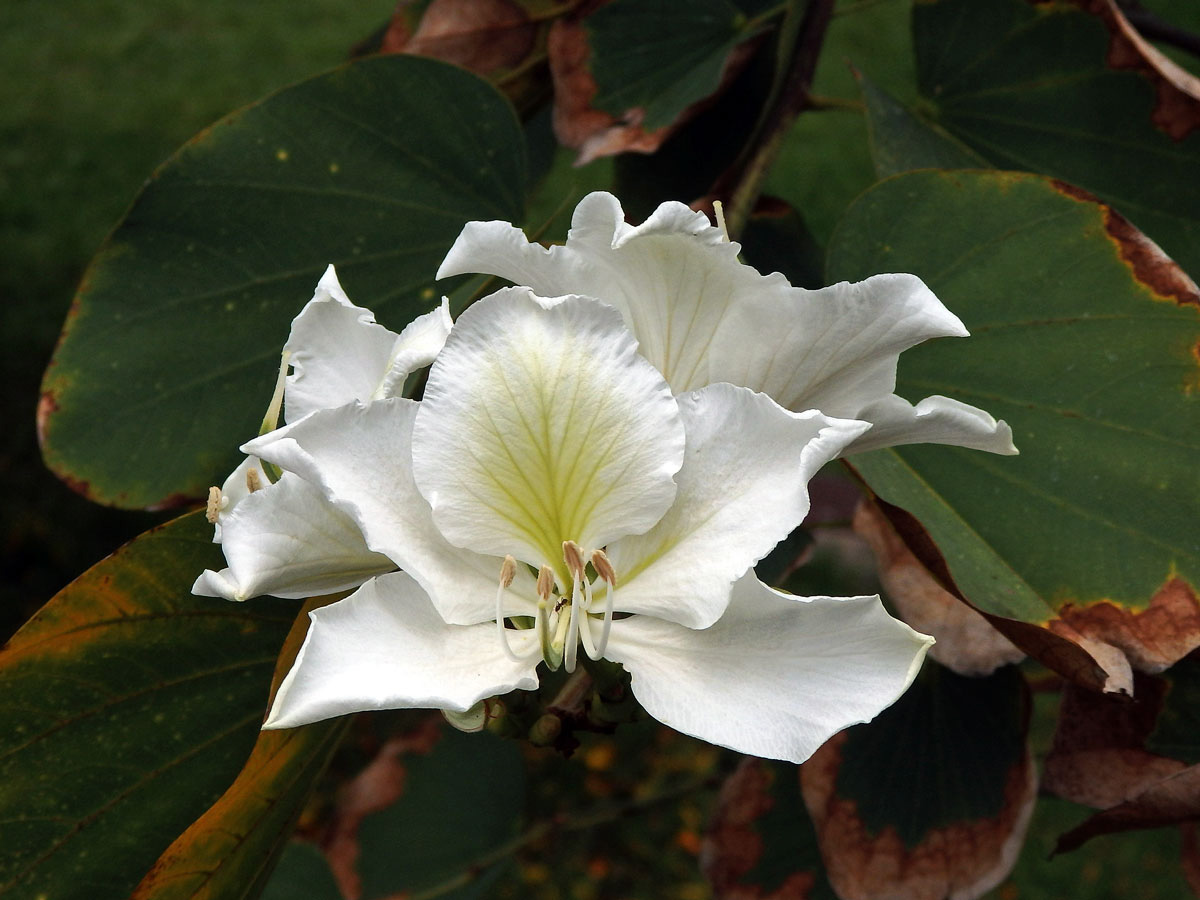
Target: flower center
pixel 566 614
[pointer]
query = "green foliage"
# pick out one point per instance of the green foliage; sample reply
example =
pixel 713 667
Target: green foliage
pixel 129 705
pixel 1063 327
pixel 363 167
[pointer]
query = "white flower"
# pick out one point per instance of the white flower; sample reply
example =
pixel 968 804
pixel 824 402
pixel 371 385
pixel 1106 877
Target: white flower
pixel 547 449
pixel 285 538
pixel 702 317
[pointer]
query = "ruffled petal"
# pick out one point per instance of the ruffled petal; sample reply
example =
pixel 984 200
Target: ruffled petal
pixel 777 675
pixel 287 540
pixel 935 420
pixel 743 487
pixel 540 423
pixel 340 354
pixel 385 647
pixel 834 349
pixel 362 457
pixel 672 278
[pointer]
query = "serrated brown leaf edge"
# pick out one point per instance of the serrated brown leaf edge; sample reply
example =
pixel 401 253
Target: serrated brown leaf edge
pixel 965 859
pixel 733 845
pixel 1177 91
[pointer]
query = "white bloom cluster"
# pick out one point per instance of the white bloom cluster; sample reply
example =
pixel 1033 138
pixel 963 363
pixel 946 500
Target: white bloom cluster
pixel 600 457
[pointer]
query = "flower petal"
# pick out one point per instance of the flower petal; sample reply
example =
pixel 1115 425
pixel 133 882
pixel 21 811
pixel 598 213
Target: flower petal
pixel 834 349
pixel 340 354
pixel 540 423
pixel 743 487
pixel 673 278
pixel 287 540
pixel 361 456
pixel 385 647
pixel 777 675
pixel 935 420
pixel 236 489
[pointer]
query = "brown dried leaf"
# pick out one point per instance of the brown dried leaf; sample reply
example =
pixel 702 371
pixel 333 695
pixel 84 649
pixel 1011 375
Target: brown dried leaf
pixel 1078 658
pixel 1172 801
pixel 1098 756
pixel 959 861
pixel 481 35
pixel 1177 107
pixel 966 641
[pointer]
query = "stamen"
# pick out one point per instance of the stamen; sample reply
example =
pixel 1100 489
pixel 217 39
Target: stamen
pixel 508 570
pixel 213 509
pixel 271 420
pixel 572 554
pixel 545 583
pixel 253 482
pixel 608 575
pixel 719 211
pixel 585 624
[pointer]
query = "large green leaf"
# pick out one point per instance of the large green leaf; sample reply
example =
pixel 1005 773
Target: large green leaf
pixel 1048 88
pixel 129 706
pixel 168 355
pixel 1084 338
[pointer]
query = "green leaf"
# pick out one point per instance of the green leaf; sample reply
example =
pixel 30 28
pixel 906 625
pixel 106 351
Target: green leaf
pixel 169 354
pixel 129 706
pixel 1040 87
pixel 925 799
pixel 230 851
pixel 1084 339
pixel 902 140
pixel 302 873
pixel 674 61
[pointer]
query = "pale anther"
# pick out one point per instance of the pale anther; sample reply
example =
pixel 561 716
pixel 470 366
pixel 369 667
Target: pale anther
pixel 213 509
pixel 508 571
pixel 545 583
pixel 604 568
pixel 719 211
pixel 253 481
pixel 573 557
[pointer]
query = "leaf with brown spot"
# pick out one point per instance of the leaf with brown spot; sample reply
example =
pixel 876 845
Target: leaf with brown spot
pixel 1082 550
pixel 932 798
pixel 966 641
pixel 616 95
pixel 760 843
pixel 129 706
pixel 432 809
pixel 1065 88
pixel 481 35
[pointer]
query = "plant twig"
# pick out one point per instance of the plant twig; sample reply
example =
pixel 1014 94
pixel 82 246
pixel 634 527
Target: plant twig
pixel 1153 28
pixel 800 39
